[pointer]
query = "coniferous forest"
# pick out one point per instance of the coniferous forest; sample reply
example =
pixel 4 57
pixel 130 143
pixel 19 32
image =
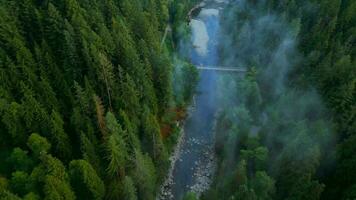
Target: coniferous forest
pixel 292 133
pixel 93 95
pixel 86 91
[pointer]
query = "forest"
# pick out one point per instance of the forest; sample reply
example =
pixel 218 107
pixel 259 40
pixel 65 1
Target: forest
pixel 87 104
pixel 93 92
pixel 291 131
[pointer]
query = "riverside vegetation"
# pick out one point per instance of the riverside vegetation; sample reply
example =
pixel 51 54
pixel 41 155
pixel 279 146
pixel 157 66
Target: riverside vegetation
pixel 89 99
pixel 287 129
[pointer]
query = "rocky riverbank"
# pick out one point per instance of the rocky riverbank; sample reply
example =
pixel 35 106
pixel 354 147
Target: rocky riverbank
pixel 204 168
pixel 194 162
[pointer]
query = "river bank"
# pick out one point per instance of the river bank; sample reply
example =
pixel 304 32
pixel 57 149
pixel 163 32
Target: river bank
pixel 193 162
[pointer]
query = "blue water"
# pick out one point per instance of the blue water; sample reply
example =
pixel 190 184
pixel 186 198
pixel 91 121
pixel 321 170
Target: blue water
pixel 199 125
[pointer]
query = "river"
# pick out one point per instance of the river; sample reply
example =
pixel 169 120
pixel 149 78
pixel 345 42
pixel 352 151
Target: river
pixel 194 164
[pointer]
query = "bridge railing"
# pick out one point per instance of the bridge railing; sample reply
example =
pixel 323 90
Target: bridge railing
pixel 221 68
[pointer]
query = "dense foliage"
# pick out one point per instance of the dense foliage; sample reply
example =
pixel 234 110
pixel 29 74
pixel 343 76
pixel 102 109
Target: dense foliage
pixel 85 89
pixel 287 129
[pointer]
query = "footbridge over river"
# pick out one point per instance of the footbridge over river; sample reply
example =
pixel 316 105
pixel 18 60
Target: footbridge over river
pixel 222 69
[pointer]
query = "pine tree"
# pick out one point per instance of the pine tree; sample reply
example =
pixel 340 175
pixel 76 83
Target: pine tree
pixel 71 58
pixel 263 185
pixel 52 174
pixel 90 153
pixel 100 116
pixel 85 181
pixel 145 176
pixel 21 183
pixel 130 100
pixel 128 189
pixel 38 145
pixel 53 26
pixel 107 76
pixel 115 147
pixel 12 119
pixel 34 115
pixel 20 160
pixel 130 137
pixel 63 65
pixel 59 138
pixel 152 138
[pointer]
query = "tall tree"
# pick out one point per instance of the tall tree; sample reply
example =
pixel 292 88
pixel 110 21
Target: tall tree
pixel 85 181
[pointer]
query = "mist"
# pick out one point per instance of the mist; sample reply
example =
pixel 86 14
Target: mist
pixel 265 107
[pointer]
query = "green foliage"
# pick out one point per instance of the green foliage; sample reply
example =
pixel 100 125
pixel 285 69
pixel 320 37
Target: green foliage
pixel 287 125
pixel 116 148
pixel 38 145
pixel 190 74
pixel 58 137
pixel 6 195
pixel 128 189
pixel 186 78
pixel 330 67
pixel 153 140
pixel 52 176
pixel 130 135
pixel 84 180
pixel 57 189
pixel 20 160
pixel 145 177
pixel 190 196
pixel 31 196
pixel 256 158
pixel 21 183
pixel 263 185
pixel 64 65
pixel 90 153
pixel 12 118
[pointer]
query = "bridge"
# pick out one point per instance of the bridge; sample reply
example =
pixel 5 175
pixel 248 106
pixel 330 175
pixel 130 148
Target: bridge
pixel 222 69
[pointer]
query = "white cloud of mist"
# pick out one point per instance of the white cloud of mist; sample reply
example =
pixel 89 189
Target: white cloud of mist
pixel 255 37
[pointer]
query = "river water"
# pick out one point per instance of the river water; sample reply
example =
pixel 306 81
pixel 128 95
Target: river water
pixel 195 161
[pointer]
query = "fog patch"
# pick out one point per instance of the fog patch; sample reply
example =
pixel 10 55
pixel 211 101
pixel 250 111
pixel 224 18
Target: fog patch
pixel 266 105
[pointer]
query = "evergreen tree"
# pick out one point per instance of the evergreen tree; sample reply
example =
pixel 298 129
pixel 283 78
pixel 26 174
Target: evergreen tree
pixel 20 160
pixel 115 147
pixel 58 137
pixel 145 176
pixel 21 183
pixel 128 189
pixel 52 174
pixel 152 138
pixel 86 183
pixel 63 65
pixel 38 145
